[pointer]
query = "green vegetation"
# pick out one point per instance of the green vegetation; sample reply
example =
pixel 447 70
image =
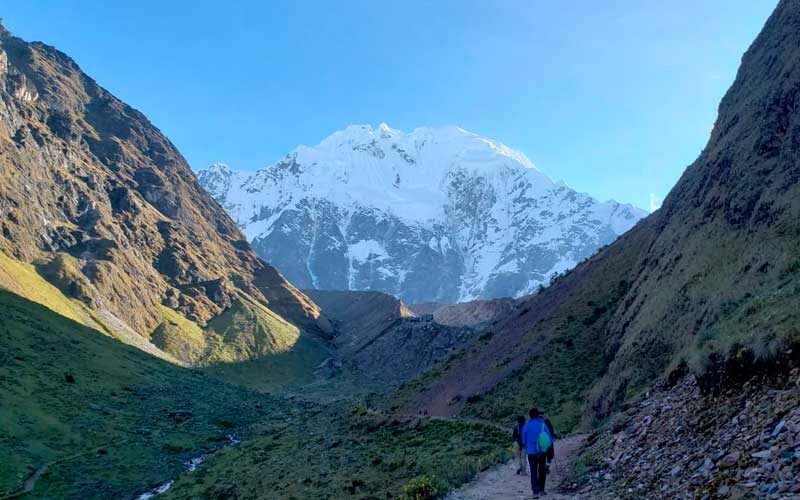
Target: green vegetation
pixel 179 337
pixel 25 280
pixel 247 330
pixel 345 450
pixel 558 379
pixel 279 371
pixel 764 323
pixel 282 358
pixel 584 464
pixel 423 488
pixel 247 344
pixel 108 419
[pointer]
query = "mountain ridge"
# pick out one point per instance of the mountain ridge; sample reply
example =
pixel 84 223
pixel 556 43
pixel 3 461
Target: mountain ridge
pixel 379 209
pixel 96 202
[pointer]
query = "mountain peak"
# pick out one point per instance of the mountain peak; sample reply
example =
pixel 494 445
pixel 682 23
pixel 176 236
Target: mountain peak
pixel 221 168
pixel 381 209
pixel 446 143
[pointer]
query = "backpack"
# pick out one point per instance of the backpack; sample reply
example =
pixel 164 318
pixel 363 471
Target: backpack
pixel 545 440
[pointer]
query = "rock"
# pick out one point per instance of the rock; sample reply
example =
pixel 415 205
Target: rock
pixel 778 428
pixel 762 454
pixel 731 459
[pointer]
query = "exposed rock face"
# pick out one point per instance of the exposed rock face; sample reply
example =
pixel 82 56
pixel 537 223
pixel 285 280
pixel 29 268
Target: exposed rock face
pixel 715 270
pixel 108 210
pixel 672 446
pixel 434 215
pixel 383 340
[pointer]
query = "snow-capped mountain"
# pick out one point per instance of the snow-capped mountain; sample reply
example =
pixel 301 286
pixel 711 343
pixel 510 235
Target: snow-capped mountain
pixel 438 214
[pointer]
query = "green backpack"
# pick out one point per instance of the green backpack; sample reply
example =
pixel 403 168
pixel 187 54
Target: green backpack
pixel 545 440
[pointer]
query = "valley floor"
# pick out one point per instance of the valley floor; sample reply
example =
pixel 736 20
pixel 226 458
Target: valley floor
pixel 502 482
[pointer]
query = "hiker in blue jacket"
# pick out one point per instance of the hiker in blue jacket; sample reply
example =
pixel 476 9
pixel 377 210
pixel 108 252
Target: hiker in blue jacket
pixel 519 446
pixel 538 439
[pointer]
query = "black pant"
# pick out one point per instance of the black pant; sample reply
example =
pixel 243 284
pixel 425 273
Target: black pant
pixel 538 471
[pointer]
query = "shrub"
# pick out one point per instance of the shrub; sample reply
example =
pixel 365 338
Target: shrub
pixel 424 488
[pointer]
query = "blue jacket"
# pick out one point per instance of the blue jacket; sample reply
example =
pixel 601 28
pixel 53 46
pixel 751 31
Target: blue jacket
pixel 530 435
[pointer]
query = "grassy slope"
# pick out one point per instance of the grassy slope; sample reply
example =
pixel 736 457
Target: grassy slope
pixel 23 279
pixel 103 416
pixel 285 357
pixel 345 451
pixel 548 353
pixel 119 402
pixel 253 347
pixel 558 379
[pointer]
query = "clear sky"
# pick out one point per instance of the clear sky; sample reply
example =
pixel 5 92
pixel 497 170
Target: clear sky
pixel 615 97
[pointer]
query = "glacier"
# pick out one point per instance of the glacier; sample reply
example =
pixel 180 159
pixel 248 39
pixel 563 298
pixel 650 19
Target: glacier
pixel 434 215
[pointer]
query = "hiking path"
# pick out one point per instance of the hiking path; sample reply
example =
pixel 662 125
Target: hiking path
pixel 503 483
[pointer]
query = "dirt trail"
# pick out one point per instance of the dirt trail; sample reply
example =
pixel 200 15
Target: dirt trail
pixel 502 482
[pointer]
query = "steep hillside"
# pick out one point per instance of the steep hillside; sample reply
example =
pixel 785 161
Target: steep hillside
pixel 358 317
pixel 438 214
pixel 98 203
pixel 711 276
pixel 380 341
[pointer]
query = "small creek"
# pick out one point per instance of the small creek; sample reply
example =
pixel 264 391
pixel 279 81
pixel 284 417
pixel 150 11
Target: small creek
pixel 191 465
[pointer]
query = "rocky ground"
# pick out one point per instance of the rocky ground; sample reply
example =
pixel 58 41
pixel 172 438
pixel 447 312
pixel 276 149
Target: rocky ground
pixel 678 443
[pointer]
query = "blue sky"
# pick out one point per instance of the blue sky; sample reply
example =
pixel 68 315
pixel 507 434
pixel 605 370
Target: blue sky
pixel 615 100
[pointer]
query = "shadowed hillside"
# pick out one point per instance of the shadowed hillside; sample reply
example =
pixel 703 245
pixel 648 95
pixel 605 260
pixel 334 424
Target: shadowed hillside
pixel 103 416
pixel 710 277
pixel 380 341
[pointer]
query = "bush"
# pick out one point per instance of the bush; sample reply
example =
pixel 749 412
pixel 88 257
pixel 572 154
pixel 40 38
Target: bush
pixel 424 488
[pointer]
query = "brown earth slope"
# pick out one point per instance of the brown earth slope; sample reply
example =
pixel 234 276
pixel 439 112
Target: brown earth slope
pixel 97 202
pixel 711 275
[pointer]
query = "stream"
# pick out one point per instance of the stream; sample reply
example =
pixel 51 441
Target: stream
pixel 190 466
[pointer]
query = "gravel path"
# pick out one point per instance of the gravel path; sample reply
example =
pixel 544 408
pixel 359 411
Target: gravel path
pixel 502 482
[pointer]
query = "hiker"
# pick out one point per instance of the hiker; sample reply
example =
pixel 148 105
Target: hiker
pixel 551 452
pixel 538 440
pixel 519 446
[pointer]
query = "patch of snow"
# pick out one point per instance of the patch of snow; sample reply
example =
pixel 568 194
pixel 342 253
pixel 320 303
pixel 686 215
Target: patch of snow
pixel 366 250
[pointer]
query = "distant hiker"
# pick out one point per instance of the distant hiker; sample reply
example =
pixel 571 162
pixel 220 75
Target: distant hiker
pixel 538 440
pixel 519 446
pixel 551 452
